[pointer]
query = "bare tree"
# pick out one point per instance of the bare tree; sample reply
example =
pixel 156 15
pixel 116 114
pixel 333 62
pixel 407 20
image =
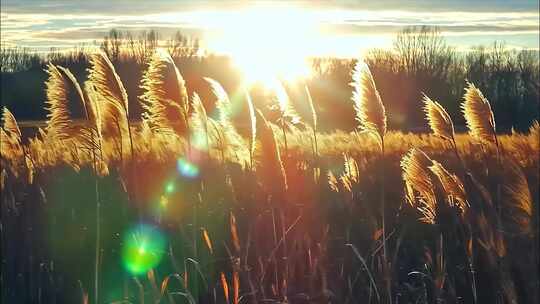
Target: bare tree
pixel 423 50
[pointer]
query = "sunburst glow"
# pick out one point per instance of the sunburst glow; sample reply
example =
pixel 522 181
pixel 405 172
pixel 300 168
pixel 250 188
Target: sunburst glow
pixel 266 43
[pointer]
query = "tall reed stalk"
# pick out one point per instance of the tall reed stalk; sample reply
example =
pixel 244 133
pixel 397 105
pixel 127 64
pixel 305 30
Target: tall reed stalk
pixel 63 90
pixel 371 114
pixel 253 128
pixel 287 114
pixel 313 124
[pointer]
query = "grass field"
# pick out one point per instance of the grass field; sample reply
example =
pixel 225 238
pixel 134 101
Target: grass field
pixel 181 208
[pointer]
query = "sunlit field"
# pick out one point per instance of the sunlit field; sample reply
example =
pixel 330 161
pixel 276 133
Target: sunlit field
pixel 210 197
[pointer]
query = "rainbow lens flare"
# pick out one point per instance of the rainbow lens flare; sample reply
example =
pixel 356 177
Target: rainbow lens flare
pixel 187 169
pixel 143 249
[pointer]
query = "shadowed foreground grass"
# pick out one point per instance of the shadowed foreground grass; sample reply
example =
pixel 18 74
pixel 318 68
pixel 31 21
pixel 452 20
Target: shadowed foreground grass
pixel 313 242
pixel 182 208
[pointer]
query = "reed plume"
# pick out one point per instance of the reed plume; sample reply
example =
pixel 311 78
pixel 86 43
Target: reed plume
pixel 313 122
pixel 63 94
pixel 225 133
pixel 200 119
pixel 113 101
pixel 62 88
pixel 253 125
pixel 333 182
pixel 534 130
pixel 351 174
pixel 288 115
pixel 478 115
pixel 452 185
pixel 223 103
pixel 419 185
pixel 165 96
pixel 370 111
pixel 288 118
pixel 534 135
pixel 439 120
pixel 517 199
pixel 92 108
pixel 11 147
pixel 273 173
pixel 91 135
pixel 10 125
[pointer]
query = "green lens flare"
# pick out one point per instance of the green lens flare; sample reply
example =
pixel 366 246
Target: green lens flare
pixel 169 188
pixel 143 249
pixel 186 168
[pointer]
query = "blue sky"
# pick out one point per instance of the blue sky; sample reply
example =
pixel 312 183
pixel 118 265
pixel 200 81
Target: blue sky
pixel 348 25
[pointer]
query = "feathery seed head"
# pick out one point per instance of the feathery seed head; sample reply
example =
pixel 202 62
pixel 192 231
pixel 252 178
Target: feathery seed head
pixel 478 115
pixel 107 83
pixel 165 95
pixel 517 198
pixel 271 166
pixel 10 124
pixel 253 123
pixel 439 120
pixel 418 183
pixel 452 185
pixel 61 88
pixel 370 111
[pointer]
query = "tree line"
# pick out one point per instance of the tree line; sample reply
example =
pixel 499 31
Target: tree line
pixel 419 62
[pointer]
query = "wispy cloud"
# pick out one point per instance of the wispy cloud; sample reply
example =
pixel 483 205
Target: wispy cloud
pixel 42 24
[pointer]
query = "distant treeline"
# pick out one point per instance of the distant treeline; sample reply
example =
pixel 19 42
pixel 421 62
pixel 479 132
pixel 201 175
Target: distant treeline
pixel 419 62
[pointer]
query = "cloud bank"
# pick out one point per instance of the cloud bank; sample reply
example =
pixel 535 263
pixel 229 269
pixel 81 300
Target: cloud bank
pixel 44 24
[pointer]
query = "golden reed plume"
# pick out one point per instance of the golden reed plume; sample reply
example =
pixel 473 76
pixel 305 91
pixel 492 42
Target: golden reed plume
pixel 165 95
pixel 11 147
pixel 350 174
pixel 288 115
pixel 478 115
pixel 10 124
pixel 311 108
pixel 534 134
pixel 223 104
pixel 62 89
pixel 199 119
pixel 111 94
pixel 453 187
pixel 419 186
pixel 517 199
pixel 273 173
pixel 439 120
pixel 106 90
pixel 313 121
pixel 332 181
pixel 368 105
pixel 63 94
pixel 225 132
pixel 253 126
pixel 92 108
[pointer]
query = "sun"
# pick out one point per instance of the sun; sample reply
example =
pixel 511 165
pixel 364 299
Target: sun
pixel 266 43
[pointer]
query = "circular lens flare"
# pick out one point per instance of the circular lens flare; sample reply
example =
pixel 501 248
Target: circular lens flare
pixel 187 169
pixel 143 249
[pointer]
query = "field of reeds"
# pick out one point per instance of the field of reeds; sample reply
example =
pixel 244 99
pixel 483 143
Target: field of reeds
pixel 182 207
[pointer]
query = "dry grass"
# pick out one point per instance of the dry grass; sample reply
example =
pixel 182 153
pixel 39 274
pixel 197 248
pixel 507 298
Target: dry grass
pixel 278 232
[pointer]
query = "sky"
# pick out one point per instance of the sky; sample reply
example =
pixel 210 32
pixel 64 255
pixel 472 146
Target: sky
pixel 338 28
